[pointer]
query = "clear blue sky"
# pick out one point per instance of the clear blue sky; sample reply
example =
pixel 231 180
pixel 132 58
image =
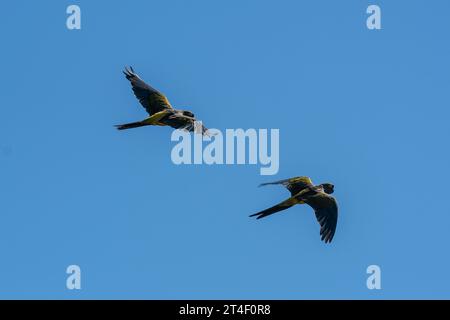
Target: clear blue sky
pixel 366 110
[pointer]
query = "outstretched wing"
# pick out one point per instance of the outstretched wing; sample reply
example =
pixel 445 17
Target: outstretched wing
pixel 294 185
pixel 326 210
pixel 279 207
pixel 151 99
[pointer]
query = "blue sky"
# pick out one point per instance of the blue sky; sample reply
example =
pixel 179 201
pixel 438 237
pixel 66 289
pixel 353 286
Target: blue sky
pixel 366 110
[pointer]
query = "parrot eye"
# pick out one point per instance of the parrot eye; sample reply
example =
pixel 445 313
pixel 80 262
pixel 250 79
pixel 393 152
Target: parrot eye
pixel 328 188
